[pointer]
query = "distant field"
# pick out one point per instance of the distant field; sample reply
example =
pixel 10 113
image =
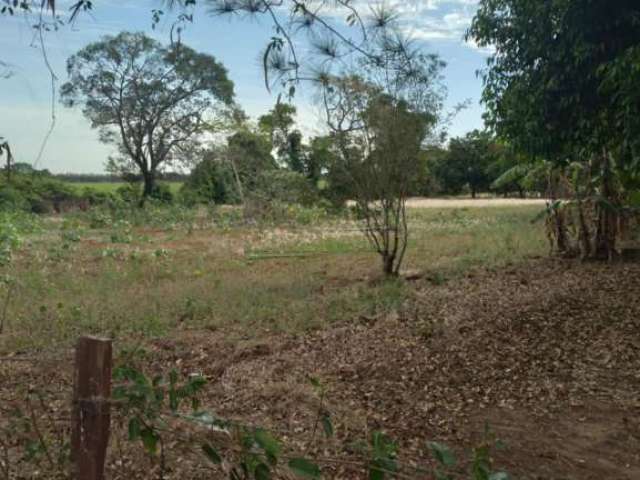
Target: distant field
pixel 113 186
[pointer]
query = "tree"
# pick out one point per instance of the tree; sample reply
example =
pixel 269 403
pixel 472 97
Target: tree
pixel 466 164
pixel 153 102
pixel 276 125
pixel 5 150
pixel 559 88
pixel 249 154
pixel 378 139
pixel 319 158
pixel 380 109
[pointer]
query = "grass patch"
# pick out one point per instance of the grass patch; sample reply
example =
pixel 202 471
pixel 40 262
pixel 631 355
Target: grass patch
pixel 73 277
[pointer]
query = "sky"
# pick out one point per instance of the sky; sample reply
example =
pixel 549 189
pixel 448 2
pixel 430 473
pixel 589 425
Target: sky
pixel 72 146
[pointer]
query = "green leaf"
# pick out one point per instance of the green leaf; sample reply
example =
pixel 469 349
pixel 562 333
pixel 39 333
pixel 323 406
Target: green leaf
pixel 212 454
pixel 375 473
pixel 315 382
pixel 173 400
pixel 442 454
pixel 196 383
pixel 150 440
pixel 134 428
pixel 267 442
pixel 262 472
pixel 173 377
pixel 303 468
pixel 326 424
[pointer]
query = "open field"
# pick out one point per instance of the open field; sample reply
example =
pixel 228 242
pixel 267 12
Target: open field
pixel 487 330
pixel 474 202
pixel 121 279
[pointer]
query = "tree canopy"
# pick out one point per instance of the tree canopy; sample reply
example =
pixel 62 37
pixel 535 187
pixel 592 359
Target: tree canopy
pixel 153 102
pixel 559 87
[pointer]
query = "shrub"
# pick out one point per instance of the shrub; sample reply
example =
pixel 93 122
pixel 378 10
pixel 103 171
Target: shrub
pixel 211 181
pixel 37 192
pixel 286 187
pixel 97 197
pixel 13 199
pixel 283 196
pixel 129 193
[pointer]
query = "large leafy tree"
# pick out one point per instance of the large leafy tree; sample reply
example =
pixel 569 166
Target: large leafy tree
pixel 466 164
pixel 559 86
pixel 153 102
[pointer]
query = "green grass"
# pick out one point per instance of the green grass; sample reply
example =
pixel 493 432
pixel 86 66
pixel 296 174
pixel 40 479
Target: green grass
pixel 109 187
pixel 74 279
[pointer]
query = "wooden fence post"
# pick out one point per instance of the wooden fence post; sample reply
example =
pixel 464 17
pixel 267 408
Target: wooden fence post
pixel 91 408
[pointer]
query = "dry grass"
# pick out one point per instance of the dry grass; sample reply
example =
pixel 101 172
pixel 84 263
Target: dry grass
pixel 73 279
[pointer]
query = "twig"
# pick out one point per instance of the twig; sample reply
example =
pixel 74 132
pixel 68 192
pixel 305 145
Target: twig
pixel 36 429
pixel 5 308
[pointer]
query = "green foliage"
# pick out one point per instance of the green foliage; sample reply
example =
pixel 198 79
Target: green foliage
pixel 383 457
pixel 559 88
pixel 10 240
pixel 37 192
pixel 149 100
pixel 251 453
pixel 285 186
pixel 466 164
pixel 211 181
pixel 378 136
pixel 14 226
pixel 147 403
pixel 303 468
pixel 144 401
pixel 481 461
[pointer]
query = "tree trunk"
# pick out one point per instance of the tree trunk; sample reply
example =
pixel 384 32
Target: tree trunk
pixel 7 152
pixel 585 234
pixel 561 233
pixel 605 241
pixel 388 264
pixel 473 193
pixel 149 179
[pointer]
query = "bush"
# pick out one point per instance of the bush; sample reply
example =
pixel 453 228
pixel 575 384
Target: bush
pixel 282 196
pixel 129 193
pixel 211 181
pixel 286 187
pixel 162 193
pixel 13 199
pixel 98 197
pixel 37 192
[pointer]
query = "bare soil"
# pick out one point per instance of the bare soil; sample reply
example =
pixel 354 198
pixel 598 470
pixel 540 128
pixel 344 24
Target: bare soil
pixel 547 353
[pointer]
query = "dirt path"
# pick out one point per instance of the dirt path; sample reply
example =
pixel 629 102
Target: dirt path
pixel 469 202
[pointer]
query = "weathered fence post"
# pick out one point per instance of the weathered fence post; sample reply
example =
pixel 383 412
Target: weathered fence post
pixel 91 408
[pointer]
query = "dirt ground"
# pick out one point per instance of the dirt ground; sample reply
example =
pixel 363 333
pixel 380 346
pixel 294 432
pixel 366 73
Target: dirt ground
pixel 547 354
